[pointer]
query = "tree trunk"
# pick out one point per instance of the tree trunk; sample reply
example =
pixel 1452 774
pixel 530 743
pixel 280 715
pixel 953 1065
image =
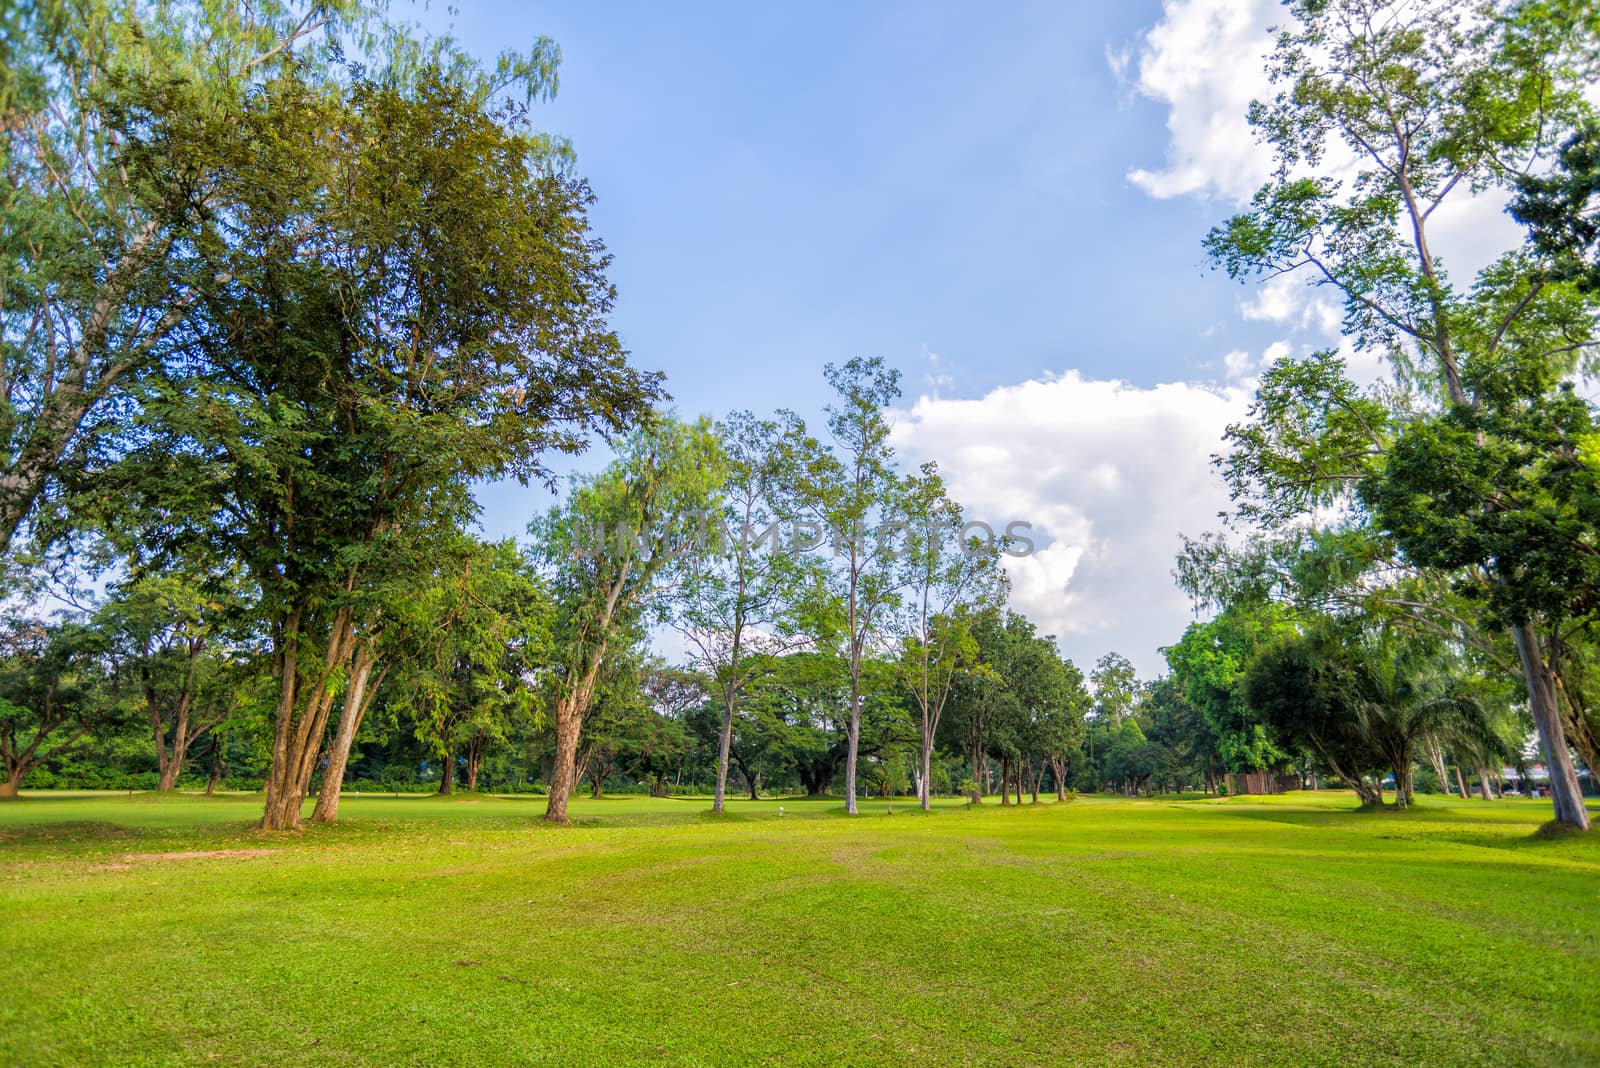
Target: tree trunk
pixel 1483 784
pixel 447 775
pixel 474 762
pixel 724 746
pixel 924 786
pixel 1402 784
pixel 854 738
pixel 217 764
pixel 13 783
pixel 1430 747
pixel 1565 795
pixel 570 709
pixel 1461 783
pixel 168 779
pixel 301 719
pixel 1058 773
pixel 357 697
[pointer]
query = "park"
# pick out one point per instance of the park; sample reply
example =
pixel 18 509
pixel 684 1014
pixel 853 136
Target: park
pixel 902 533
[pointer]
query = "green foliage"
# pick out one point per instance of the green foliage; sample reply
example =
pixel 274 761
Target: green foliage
pixel 1562 211
pixel 52 694
pixel 1208 663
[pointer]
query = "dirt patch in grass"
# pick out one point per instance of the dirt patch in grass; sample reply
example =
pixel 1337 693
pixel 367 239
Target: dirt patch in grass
pixel 199 854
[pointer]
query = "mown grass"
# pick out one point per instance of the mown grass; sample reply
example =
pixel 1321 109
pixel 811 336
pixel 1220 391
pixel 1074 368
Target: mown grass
pixel 420 931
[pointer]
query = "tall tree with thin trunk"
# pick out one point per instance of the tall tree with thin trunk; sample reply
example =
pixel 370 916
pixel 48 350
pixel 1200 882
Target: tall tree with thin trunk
pixel 744 595
pixel 853 492
pixel 947 577
pixel 622 537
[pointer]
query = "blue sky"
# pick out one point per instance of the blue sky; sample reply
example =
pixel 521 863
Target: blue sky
pixel 1005 201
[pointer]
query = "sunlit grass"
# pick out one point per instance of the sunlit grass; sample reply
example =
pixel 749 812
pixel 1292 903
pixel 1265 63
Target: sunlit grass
pixel 1291 929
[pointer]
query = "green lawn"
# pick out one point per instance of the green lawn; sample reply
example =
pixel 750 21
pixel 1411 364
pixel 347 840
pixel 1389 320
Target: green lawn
pixel 1256 930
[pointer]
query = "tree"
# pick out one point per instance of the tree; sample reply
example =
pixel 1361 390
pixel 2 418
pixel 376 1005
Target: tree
pixel 1365 701
pixel 1302 686
pixel 363 362
pixel 1427 100
pixel 1208 665
pixel 53 693
pixel 479 634
pixel 853 491
pixel 621 537
pixel 743 595
pixel 1498 489
pixel 174 637
pixel 794 705
pixel 947 577
pixel 84 263
pixel 1116 686
pixel 1185 749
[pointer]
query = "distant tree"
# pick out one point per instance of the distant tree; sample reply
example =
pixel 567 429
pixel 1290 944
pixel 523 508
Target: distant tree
pixel 1116 686
pixel 175 641
pixel 1208 664
pixel 947 578
pixel 796 705
pixel 1365 701
pixel 1186 748
pixel 53 692
pixel 1301 685
pixel 481 630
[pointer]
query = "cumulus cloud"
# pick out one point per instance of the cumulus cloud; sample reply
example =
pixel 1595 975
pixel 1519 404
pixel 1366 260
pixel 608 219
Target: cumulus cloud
pixel 1206 61
pixel 1108 474
pixel 1291 300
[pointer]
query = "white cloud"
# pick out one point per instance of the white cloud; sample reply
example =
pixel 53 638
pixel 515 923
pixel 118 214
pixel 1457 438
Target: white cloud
pixel 1109 474
pixel 1205 60
pixel 1292 300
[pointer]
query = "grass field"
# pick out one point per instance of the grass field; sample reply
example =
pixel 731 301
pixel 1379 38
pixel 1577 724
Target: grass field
pixel 1255 930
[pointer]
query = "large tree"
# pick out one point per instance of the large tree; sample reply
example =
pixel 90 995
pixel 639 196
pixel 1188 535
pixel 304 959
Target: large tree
pixel 413 301
pixel 87 252
pixel 1386 112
